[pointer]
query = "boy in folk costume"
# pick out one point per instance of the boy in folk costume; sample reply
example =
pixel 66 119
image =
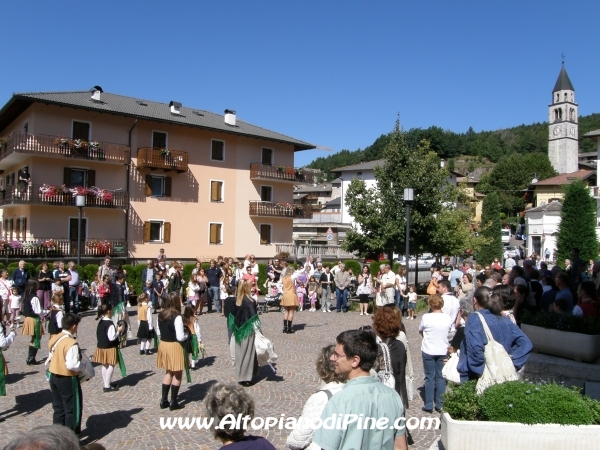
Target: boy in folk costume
pixel 107 350
pixel 194 337
pixel 5 341
pixel 145 331
pixel 32 310
pixel 56 315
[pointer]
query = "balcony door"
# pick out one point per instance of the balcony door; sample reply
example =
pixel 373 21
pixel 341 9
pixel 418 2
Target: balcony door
pixel 73 234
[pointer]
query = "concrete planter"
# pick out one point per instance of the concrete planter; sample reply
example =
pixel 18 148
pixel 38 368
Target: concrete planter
pixel 468 435
pixel 580 347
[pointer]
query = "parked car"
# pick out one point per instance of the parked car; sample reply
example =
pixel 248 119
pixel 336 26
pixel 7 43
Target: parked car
pixel 425 260
pixel 514 252
pixel 506 235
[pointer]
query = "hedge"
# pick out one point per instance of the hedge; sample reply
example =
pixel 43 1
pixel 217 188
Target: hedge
pixel 354 265
pixel 375 265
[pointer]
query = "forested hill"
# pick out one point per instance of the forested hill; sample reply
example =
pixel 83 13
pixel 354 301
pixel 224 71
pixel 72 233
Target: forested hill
pixel 448 144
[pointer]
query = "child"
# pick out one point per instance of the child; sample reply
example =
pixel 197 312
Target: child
pixel 107 351
pixel 57 287
pixel 104 290
pixel 145 331
pixel 412 302
pixel 147 289
pixel 312 292
pixel 15 306
pixel 94 294
pixel 192 327
pixel 56 315
pixel 300 292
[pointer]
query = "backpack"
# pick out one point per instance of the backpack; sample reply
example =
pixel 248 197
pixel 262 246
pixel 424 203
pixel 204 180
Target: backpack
pixel 386 375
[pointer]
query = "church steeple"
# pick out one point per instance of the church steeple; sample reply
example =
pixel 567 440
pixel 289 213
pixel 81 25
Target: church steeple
pixel 563 130
pixel 563 83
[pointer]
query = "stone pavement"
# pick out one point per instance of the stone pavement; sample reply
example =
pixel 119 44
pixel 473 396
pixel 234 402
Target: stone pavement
pixel 129 418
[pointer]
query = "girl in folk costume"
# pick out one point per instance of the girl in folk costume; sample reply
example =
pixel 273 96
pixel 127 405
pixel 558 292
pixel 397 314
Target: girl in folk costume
pixel 107 351
pixel 194 337
pixel 56 315
pixel 145 331
pixel 32 310
pixel 5 341
pixel 242 322
pixel 289 300
pixel 171 354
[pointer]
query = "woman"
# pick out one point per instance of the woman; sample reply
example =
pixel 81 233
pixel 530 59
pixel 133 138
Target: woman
pixel 242 321
pixel 331 383
pixel 202 281
pixel 45 280
pixel 471 361
pixel 465 286
pixel 521 292
pixel 170 354
pixel 289 300
pixel 5 290
pixel 365 288
pixel 587 305
pixel 251 279
pixel 505 299
pixel 32 310
pixel 435 327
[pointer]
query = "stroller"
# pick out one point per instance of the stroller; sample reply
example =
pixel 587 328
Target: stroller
pixel 273 297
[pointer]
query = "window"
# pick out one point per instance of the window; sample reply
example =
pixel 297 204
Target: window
pixel 159 139
pixel 81 130
pixel 216 233
pixel 157 231
pixel 26 127
pixel 267 156
pixel 8 228
pixel 217 151
pixel 21 228
pixel 75 176
pixel 265 234
pixel 158 186
pixel 216 191
pixel 266 194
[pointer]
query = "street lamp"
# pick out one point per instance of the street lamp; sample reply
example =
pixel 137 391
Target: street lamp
pixel 80 203
pixel 408 198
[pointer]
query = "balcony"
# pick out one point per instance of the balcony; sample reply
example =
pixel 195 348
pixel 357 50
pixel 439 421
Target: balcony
pixel 51 247
pixel 259 171
pixel 269 209
pixel 42 145
pixel 63 196
pixel 162 158
pixel 322 251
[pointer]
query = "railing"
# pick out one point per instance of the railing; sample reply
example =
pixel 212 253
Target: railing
pixel 59 146
pixel 321 217
pixel 283 173
pixel 52 248
pixel 269 209
pixel 33 195
pixel 323 251
pixel 157 158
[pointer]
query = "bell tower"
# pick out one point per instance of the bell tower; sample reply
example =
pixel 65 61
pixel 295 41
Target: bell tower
pixel 563 130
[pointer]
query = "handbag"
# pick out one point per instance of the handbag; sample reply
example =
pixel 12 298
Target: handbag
pixel 450 369
pixel 498 363
pixel 385 375
pixel 431 289
pixel 265 352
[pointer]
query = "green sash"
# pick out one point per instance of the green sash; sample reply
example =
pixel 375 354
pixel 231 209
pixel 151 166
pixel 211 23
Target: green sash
pixel 121 363
pixel 76 404
pixel 155 339
pixel 186 364
pixel 120 308
pixel 194 347
pixel 245 330
pixel 2 380
pixel 37 333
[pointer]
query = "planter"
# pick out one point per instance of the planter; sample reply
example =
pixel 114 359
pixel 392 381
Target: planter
pixel 470 435
pixel 580 347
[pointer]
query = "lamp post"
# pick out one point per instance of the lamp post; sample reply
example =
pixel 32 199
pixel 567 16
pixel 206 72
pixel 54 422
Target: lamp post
pixel 80 203
pixel 408 198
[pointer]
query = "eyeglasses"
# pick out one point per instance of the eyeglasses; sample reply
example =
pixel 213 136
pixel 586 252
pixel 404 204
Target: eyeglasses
pixel 337 356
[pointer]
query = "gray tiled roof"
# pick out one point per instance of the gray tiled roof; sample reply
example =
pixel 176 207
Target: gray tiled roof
pixel 369 165
pixel 592 134
pixel 548 207
pixel 129 106
pixel 563 83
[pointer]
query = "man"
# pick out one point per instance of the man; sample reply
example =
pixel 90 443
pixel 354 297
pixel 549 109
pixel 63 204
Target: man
pixel 509 263
pixel 175 279
pixel 24 179
pixel 547 254
pixel 276 270
pixel 455 277
pixel 451 303
pixel 106 270
pixel 504 255
pixel 567 265
pixel 20 277
pixel 49 436
pixel 363 396
pixel 577 267
pixel 401 291
pixel 335 269
pixel 446 269
pixel 342 281
pixel 562 284
pixel 388 283
pixel 214 274
pixel 496 264
pixel 148 276
pixel 64 276
pixel 74 286
pixel 326 282
pixel 65 365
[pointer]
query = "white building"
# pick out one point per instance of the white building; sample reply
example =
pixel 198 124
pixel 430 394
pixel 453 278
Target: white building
pixel 542 227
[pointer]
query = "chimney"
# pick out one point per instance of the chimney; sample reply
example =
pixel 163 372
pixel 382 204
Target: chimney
pixel 96 93
pixel 175 107
pixel 230 117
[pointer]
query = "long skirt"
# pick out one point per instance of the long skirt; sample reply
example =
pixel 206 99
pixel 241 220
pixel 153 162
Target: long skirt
pixel 246 362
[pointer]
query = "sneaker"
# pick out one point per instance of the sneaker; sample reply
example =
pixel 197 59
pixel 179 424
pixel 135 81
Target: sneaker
pixel 128 305
pixel 361 314
pixel 367 314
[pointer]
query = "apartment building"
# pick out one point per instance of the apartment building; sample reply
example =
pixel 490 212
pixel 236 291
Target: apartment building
pixel 153 175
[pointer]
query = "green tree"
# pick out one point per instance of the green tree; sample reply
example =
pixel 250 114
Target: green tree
pixel 451 165
pixel 491 230
pixel 577 227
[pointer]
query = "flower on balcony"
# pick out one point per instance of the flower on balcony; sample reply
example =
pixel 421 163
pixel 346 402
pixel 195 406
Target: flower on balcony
pixel 285 205
pixel 79 190
pixel 31 246
pixel 4 244
pixel 102 247
pixel 94 145
pixel 52 191
pixel 298 207
pixel 49 244
pixel 61 141
pixel 101 194
pixel 165 152
pixel 16 245
pixel 280 168
pixel 80 144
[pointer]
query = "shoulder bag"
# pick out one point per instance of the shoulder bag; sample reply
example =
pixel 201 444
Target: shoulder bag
pixel 386 375
pixel 450 369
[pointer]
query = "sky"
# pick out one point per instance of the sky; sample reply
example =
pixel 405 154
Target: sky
pixel 333 73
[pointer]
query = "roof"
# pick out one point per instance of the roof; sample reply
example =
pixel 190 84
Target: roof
pixel 311 188
pixel 566 178
pixel 586 154
pixel 335 203
pixel 369 165
pixel 563 83
pixel 592 134
pixel 548 207
pixel 134 107
pixel 299 196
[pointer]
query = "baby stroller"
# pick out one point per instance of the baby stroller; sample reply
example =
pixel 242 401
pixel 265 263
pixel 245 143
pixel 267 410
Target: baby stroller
pixel 273 297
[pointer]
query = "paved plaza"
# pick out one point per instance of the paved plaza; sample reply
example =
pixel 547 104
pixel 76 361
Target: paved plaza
pixel 129 418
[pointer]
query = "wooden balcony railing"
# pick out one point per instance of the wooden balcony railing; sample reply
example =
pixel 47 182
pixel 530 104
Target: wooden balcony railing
pixel 157 158
pixel 282 173
pixel 58 196
pixel 52 247
pixel 269 209
pixel 39 144
pixel 322 251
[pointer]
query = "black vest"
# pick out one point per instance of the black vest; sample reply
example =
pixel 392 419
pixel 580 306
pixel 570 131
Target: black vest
pixel 102 335
pixel 27 308
pixel 53 328
pixel 167 330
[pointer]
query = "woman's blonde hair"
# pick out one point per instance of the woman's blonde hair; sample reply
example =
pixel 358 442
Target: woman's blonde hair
pixel 243 290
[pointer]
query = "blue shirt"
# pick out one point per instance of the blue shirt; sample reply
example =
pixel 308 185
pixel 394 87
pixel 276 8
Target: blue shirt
pixel 471 361
pixel 456 273
pixel 566 294
pixel 214 276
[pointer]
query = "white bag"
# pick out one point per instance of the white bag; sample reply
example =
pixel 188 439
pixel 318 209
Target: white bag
pixel 265 352
pixel 450 369
pixel 499 366
pixel 386 375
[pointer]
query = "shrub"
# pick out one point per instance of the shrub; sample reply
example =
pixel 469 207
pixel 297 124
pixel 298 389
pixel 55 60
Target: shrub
pixel 375 265
pixel 30 268
pixel 262 276
pixel 461 401
pixel 562 322
pixel 187 272
pixel 134 277
pixel 354 265
pixel 422 305
pixel 90 272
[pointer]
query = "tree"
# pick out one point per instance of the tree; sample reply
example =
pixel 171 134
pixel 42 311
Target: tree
pixel 491 230
pixel 577 227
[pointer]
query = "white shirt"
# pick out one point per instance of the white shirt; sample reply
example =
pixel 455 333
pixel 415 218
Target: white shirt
pixel 401 281
pixel 15 301
pixel 35 305
pixel 451 307
pixel 179 331
pixel 5 341
pixel 58 318
pixel 412 297
pixel 112 331
pixel 5 286
pixel 389 278
pixel 435 328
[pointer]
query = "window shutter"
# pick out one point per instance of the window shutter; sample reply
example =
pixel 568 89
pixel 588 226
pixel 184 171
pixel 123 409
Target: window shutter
pixel 18 230
pixel 148 189
pixel 5 231
pixel 67 177
pixel 216 188
pixel 91 178
pixel 167 232
pixel 215 233
pixel 12 228
pixel 24 227
pixel 146 232
pixel 167 186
